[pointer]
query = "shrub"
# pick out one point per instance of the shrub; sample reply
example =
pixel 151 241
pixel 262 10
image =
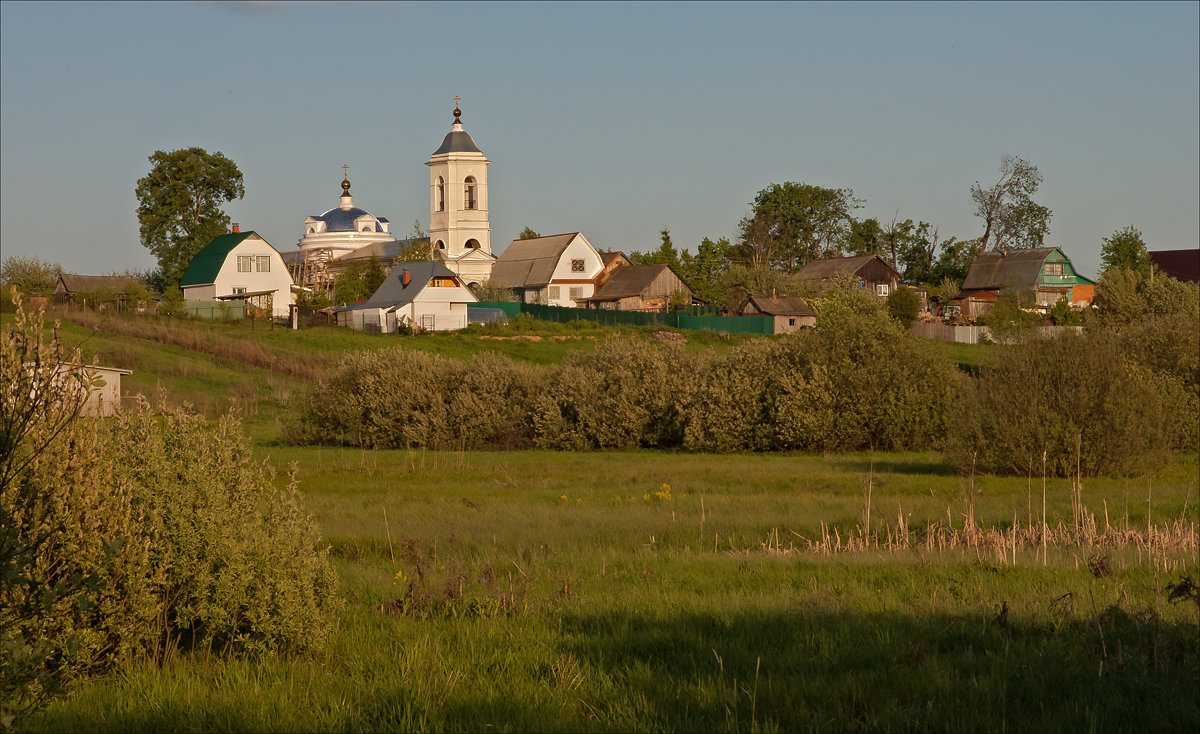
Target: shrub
pixel 904 305
pixel 134 536
pixel 732 399
pixel 1074 397
pixel 625 394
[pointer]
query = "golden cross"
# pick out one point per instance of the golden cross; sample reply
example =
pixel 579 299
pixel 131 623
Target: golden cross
pixel 345 171
pixel 456 101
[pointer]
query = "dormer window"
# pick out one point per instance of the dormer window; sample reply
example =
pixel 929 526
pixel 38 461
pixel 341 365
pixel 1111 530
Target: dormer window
pixel 577 266
pixel 440 195
pixel 366 228
pixel 471 202
pixel 311 230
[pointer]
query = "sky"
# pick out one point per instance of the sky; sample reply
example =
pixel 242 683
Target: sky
pixel 611 119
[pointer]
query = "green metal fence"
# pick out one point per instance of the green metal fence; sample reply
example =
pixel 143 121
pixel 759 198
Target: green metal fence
pixel 226 310
pixel 698 318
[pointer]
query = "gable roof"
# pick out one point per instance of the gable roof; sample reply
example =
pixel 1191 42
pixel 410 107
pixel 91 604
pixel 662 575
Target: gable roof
pixel 393 292
pixel 630 280
pixel 780 306
pixel 88 283
pixel 205 266
pixel 1179 264
pixel 530 263
pixel 831 266
pixel 1012 269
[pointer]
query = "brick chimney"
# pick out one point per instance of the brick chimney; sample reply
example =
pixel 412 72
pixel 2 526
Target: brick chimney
pixel 236 228
pixel 405 278
pixel 773 296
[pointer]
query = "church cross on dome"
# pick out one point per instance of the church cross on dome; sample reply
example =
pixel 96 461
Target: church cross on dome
pixel 345 180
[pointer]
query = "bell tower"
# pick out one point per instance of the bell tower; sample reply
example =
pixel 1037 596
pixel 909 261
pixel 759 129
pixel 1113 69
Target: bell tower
pixel 459 230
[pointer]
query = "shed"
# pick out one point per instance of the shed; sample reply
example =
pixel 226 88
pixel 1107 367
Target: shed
pixel 106 399
pixel 108 288
pixel 790 313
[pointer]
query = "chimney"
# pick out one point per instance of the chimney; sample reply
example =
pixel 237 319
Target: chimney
pixel 405 278
pixel 773 296
pixel 236 228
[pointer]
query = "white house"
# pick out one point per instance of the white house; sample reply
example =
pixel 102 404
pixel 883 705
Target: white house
pixel 239 266
pixel 558 270
pixel 426 295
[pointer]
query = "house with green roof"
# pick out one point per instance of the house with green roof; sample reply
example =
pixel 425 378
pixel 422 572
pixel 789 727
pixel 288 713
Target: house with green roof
pixel 1046 272
pixel 239 266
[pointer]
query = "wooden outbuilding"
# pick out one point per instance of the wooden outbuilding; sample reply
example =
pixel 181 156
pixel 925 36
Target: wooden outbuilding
pixel 641 288
pixel 790 313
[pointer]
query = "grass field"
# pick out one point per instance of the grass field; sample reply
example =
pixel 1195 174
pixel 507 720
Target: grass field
pixel 660 591
pixel 649 591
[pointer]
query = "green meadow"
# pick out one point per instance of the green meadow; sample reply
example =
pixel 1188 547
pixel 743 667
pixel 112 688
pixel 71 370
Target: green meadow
pixel 668 591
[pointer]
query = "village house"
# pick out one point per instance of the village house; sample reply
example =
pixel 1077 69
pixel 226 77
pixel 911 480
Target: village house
pixel 424 295
pixel 1181 265
pixel 641 288
pixel 557 270
pixel 1046 272
pixel 874 274
pixel 789 313
pixel 239 266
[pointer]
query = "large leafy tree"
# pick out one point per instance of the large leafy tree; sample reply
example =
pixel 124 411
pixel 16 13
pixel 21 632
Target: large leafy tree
pixel 179 205
pixel 793 223
pixel 1010 217
pixel 29 274
pixel 1125 248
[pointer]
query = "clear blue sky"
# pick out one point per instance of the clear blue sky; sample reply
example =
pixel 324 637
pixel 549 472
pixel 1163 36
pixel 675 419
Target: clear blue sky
pixel 612 119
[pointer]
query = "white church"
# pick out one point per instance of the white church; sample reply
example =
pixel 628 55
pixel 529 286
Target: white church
pixel 459 230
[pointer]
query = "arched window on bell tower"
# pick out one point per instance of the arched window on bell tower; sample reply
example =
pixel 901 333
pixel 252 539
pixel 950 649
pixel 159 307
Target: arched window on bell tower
pixel 441 194
pixel 471 201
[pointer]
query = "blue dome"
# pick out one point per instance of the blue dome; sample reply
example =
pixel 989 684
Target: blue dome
pixel 342 220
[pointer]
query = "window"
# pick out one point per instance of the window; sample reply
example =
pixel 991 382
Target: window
pixel 472 244
pixel 577 266
pixel 366 228
pixel 264 264
pixel 576 294
pixel 791 322
pixel 1054 268
pixel 881 289
pixel 239 290
pixel 440 196
pixel 311 230
pixel 470 192
pixel 443 283
pixel 243 263
pixel 441 245
pixel 554 293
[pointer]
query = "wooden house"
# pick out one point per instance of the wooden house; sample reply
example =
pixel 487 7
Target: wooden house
pixel 1046 272
pixel 70 289
pixel 873 273
pixel 239 266
pixel 641 288
pixel 790 313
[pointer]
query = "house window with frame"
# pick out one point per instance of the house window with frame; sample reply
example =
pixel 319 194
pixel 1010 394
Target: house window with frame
pixel 576 293
pixel 554 293
pixel 577 266
pixel 243 263
pixel 239 290
pixel 1054 269
pixel 791 322
pixel 881 289
pixel 471 203
pixel 264 264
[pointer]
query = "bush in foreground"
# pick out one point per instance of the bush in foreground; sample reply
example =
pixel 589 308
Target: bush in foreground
pixel 135 536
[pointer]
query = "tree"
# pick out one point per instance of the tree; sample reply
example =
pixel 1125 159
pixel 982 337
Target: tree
pixel 1125 248
pixel 373 276
pixel 1010 217
pixel 955 259
pixel 419 247
pixel 29 274
pixel 666 254
pixel 704 270
pixel 349 286
pixel 179 205
pixel 489 292
pixel 793 223
pixel 867 237
pixel 528 234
